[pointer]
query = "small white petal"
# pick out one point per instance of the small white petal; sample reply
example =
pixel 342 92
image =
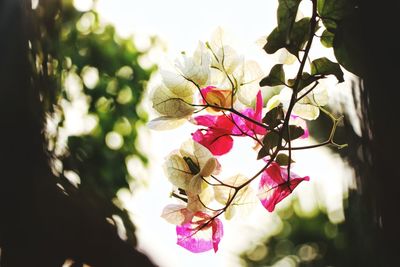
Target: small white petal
pixel 177 171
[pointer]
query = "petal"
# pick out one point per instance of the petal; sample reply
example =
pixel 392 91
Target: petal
pixel 198 237
pixel 206 120
pixel 193 71
pixel 271 192
pixel 230 212
pixel 209 167
pixel 217 233
pixel 217 142
pixel 306 111
pixel 247 93
pixel 320 96
pixel 197 202
pixel 244 200
pixel 192 240
pixel 176 214
pixel 259 107
pixel 177 171
pixel 168 104
pixel 195 185
pixel 228 59
pixel 252 72
pixel 272 175
pixel 223 193
pixel 178 84
pixel 256 115
pixel 273 102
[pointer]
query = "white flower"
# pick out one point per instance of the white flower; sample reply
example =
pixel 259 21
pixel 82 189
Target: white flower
pixel 187 169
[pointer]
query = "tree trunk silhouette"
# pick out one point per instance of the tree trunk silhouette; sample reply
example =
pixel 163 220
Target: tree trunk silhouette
pixel 40 225
pixel 375 154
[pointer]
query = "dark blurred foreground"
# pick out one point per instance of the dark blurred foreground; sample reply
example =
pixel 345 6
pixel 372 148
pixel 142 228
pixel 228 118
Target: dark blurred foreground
pixel 43 219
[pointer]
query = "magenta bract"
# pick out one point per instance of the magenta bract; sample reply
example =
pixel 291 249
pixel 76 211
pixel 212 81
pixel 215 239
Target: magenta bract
pixel 274 185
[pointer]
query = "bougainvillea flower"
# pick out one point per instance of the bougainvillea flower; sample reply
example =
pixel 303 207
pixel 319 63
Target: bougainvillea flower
pixel 217 137
pixel 200 234
pixel 247 126
pixel 187 169
pixel 218 97
pixel 274 185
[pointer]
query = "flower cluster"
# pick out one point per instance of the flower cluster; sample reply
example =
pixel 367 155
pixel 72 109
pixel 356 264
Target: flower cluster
pixel 219 91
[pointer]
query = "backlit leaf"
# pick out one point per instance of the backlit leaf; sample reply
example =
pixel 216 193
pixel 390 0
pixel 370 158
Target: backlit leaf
pixel 275 77
pixel 323 66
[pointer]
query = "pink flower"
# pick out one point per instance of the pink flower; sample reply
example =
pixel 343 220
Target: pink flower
pixel 200 234
pixel 247 126
pixel 274 185
pixel 218 136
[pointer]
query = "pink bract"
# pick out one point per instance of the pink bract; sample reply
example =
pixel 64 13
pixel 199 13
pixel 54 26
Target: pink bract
pixel 274 185
pixel 197 237
pixel 218 135
pixel 249 127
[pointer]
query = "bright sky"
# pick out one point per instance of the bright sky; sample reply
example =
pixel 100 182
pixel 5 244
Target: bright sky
pixel 181 24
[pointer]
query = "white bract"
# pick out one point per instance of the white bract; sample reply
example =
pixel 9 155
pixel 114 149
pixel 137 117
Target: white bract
pixel 170 104
pixel 196 69
pixel 248 77
pixel 307 107
pixel 176 214
pixel 187 169
pixel 242 201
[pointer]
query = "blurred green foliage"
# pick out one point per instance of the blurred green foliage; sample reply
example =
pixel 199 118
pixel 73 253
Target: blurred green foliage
pixel 303 241
pixel 98 74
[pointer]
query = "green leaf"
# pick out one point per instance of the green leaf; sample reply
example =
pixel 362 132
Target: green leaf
pixel 274 117
pixel 287 11
pixel 332 11
pixel 327 38
pixel 270 141
pixel 324 66
pixel 283 159
pixel 295 132
pixel 297 39
pixel 275 77
pixel 299 36
pixel 306 80
pixel 346 46
pixel 263 153
pixel 275 41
